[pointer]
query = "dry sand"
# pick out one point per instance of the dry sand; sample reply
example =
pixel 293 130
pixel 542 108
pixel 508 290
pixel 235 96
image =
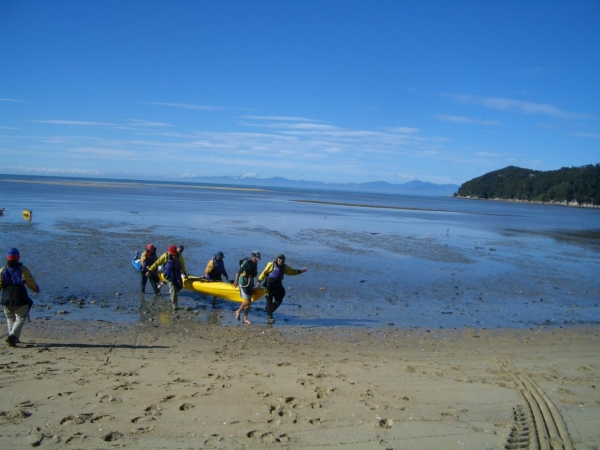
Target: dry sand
pixel 179 385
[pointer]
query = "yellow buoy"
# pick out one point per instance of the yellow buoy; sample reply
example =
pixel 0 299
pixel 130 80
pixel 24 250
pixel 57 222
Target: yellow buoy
pixel 27 214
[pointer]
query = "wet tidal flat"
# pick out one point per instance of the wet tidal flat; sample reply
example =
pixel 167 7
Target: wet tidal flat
pixel 373 261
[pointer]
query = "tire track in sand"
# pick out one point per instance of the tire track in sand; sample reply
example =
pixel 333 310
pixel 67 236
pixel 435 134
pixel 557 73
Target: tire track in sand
pixel 538 425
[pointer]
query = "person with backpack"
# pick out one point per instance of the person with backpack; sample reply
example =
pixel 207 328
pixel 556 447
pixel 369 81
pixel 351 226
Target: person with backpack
pixel 273 281
pixel 215 269
pixel 147 259
pixel 173 268
pixel 14 278
pixel 244 278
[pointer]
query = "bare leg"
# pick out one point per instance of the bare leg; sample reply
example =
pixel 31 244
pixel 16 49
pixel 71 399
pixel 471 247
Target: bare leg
pixel 242 307
pixel 246 312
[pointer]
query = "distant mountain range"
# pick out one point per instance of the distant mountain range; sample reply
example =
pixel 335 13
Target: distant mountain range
pixel 411 188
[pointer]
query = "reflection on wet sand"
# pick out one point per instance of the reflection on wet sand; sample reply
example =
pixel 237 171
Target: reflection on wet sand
pixel 362 205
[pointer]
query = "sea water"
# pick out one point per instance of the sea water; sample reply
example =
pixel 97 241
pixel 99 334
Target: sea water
pixel 373 260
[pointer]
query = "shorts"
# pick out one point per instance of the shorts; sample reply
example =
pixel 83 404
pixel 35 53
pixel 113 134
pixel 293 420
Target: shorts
pixel 246 293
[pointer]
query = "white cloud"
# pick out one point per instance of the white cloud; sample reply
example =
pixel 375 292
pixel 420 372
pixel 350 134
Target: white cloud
pixel 507 104
pixel 404 130
pixel 466 120
pixel 406 177
pixel 145 123
pixel 52 170
pixel 487 155
pixel 279 118
pixel 185 106
pixel 76 123
pixel 12 100
pixel 586 135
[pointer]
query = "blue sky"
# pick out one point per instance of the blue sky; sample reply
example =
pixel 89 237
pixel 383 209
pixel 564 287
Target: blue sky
pixel 323 90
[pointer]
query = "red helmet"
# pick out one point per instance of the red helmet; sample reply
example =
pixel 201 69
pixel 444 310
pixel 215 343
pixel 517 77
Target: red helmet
pixel 150 247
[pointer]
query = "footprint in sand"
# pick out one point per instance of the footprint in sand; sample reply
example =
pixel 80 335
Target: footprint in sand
pixel 76 419
pixel 369 404
pixel 15 416
pixel 267 437
pixel 112 436
pixel 76 438
pixel 186 407
pixel 143 419
pixel 110 399
pixel 213 439
pixel 322 392
pixel 141 430
pixel 152 410
pixel 82 418
pixel 384 423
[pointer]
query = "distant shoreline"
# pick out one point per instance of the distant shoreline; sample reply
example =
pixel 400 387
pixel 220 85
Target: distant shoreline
pixel 130 184
pixel 514 200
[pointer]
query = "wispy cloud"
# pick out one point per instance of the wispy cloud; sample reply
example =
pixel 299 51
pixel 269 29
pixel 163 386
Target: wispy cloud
pixel 12 100
pixel 75 123
pixel 488 155
pixel 52 170
pixel 185 106
pixel 507 104
pixel 586 135
pixel 404 130
pixel 466 120
pixel 145 123
pixel 279 118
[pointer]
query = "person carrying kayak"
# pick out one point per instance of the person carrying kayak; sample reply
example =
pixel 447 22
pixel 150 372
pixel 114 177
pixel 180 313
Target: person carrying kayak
pixel 173 268
pixel 244 278
pixel 147 259
pixel 215 269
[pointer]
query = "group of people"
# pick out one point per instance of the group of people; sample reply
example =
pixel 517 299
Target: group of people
pixel 271 278
pixel 174 268
pixel 15 278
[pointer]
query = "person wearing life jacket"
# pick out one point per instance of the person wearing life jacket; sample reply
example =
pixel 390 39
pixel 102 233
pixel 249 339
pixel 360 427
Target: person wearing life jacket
pixel 148 258
pixel 14 278
pixel 215 269
pixel 273 281
pixel 173 268
pixel 244 278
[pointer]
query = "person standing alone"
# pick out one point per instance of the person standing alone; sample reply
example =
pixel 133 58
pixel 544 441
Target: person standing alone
pixel 14 277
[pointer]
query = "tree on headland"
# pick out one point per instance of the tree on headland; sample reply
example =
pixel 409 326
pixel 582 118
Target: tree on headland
pixel 579 185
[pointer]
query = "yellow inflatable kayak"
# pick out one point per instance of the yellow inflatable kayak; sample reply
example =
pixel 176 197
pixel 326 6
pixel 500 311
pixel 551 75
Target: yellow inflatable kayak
pixel 218 289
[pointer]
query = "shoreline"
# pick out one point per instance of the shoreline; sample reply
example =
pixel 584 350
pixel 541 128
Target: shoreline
pixel 131 184
pixel 531 202
pixel 153 386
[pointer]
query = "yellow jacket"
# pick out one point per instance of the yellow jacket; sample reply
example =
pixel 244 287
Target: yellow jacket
pixel 163 260
pixel 286 269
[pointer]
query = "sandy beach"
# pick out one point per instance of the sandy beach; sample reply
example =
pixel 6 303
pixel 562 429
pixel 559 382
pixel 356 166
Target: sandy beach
pixel 176 384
